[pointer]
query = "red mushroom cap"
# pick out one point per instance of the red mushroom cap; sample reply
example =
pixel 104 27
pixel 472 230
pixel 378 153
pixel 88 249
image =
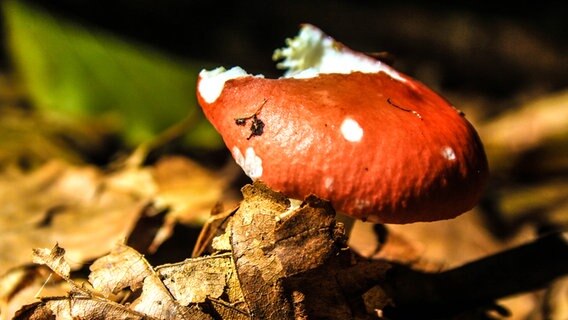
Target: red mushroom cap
pixel 380 146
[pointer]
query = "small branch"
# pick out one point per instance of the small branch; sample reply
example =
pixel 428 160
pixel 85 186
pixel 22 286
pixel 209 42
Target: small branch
pixel 171 133
pixel 525 268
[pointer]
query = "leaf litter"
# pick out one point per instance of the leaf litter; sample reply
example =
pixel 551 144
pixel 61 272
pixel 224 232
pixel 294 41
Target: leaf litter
pixel 280 265
pixel 213 285
pixel 87 210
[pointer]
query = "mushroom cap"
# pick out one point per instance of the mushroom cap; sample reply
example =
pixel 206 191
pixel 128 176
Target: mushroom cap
pixel 379 147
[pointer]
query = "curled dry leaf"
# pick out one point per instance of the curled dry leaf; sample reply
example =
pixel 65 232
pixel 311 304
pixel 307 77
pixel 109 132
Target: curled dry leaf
pixel 177 179
pixel 73 307
pixel 80 302
pixel 285 260
pixel 156 301
pixel 53 258
pixel 533 125
pixel 122 267
pixel 21 286
pixel 556 300
pixel 293 262
pixel 199 279
pixel 271 245
pixel 282 262
pixel 125 267
pixel 188 191
pixel 64 204
pixel 88 211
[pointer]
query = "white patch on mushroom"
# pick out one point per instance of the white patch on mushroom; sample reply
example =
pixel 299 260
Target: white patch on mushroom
pixel 328 183
pixel 362 204
pixel 211 83
pixel 449 153
pixel 250 162
pixel 312 52
pixel 351 130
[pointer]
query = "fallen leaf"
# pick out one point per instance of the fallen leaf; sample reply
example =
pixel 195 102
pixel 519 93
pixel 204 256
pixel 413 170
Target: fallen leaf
pixel 122 267
pixel 555 303
pixel 199 279
pixel 156 301
pixel 53 258
pixel 292 261
pixel 77 307
pixel 60 203
pixel 285 261
pixel 87 210
pixel 526 127
pixel 21 286
pixel 188 191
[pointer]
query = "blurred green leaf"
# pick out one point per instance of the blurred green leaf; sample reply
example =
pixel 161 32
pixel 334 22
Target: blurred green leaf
pixel 78 72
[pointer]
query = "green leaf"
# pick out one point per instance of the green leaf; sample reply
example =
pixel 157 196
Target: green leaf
pixel 79 72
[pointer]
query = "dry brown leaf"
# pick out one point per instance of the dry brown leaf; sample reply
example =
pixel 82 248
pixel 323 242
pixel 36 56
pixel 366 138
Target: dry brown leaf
pixel 556 300
pixel 284 262
pixel 88 211
pixel 122 267
pixel 211 279
pixel 533 124
pixel 53 258
pixel 230 311
pixel 29 294
pixel 63 204
pixel 292 262
pixel 177 179
pixel 77 307
pixel 80 301
pixel 188 191
pixel 20 286
pixel 199 279
pixel 156 301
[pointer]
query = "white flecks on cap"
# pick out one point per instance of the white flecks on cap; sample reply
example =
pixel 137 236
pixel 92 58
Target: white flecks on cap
pixel 328 183
pixel 351 130
pixel 211 83
pixel 448 153
pixel 250 162
pixel 312 52
pixel 362 204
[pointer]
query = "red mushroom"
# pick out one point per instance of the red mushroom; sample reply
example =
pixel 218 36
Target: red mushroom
pixel 378 144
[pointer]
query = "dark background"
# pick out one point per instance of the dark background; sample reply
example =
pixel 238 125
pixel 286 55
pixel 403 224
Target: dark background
pixel 492 47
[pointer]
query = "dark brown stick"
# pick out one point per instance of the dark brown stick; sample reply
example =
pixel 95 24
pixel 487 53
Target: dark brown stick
pixel 526 268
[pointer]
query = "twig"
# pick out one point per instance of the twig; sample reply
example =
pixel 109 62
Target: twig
pixel 163 138
pixel 526 268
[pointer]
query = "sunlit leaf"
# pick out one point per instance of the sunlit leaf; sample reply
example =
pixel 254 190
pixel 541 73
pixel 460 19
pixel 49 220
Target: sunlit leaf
pixel 74 71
